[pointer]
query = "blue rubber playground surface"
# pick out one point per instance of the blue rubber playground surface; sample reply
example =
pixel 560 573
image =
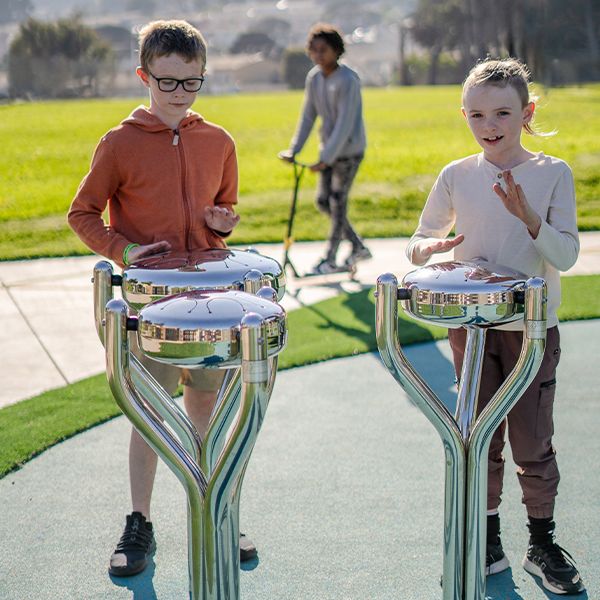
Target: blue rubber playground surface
pixel 343 495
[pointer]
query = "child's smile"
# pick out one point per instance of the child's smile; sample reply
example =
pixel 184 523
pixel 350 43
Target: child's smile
pixel 496 118
pixel 493 140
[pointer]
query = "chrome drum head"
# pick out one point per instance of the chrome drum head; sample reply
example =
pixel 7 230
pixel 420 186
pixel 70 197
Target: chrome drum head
pixel 461 293
pixel 172 273
pixel 202 328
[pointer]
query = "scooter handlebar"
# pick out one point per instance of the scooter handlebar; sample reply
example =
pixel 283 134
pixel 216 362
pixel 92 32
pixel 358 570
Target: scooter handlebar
pixel 290 158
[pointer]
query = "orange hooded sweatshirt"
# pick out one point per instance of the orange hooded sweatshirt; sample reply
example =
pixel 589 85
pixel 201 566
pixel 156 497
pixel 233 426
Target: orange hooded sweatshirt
pixel 156 183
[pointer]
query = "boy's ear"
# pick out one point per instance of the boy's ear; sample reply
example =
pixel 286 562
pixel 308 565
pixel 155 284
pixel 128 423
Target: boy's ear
pixel 528 112
pixel 143 76
pixel 464 113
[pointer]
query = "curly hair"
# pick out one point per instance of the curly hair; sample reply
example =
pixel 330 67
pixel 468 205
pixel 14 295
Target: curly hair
pixel 330 34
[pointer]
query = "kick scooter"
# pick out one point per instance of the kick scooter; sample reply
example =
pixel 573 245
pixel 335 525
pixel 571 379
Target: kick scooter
pixel 299 169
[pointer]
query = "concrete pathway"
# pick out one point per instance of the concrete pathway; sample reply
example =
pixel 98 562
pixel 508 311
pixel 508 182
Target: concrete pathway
pixel 343 495
pixel 47 333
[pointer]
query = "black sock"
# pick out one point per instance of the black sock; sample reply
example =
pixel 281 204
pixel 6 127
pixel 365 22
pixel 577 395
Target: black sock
pixel 541 531
pixel 493 530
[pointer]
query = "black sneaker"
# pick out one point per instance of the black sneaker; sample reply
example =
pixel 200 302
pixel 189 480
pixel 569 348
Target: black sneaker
pixel 495 559
pixel 324 267
pixel 557 571
pixel 357 255
pixel 136 545
pixel 247 548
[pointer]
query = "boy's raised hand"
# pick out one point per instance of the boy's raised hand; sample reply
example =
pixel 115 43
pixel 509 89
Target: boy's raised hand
pixel 138 252
pixel 220 218
pixel 516 203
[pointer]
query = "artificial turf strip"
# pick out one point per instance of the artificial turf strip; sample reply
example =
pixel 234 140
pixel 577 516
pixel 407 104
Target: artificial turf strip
pixel 33 425
pixel 340 326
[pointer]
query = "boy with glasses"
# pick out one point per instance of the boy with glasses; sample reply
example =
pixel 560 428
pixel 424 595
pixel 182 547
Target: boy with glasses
pixel 170 181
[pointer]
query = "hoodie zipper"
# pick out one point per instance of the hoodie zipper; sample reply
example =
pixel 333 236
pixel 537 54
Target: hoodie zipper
pixel 187 211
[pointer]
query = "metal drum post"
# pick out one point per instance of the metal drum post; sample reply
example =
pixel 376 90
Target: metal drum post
pixel 103 279
pixel 202 329
pixel 439 416
pixel 528 364
pixel 209 333
pixel 475 296
pixel 153 430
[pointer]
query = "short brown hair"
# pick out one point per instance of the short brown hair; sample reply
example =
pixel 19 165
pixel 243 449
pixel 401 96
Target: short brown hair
pixel 330 34
pixel 161 38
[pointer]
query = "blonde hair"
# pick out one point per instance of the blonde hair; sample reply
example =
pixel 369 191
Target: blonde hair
pixel 161 38
pixel 502 73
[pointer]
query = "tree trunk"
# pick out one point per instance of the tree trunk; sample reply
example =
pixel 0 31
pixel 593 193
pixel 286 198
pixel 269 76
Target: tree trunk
pixel 403 72
pixel 433 65
pixel 592 41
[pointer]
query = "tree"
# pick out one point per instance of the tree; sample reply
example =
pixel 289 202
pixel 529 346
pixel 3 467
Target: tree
pixel 438 25
pixel 252 42
pixel 559 41
pixel 59 59
pixel 296 65
pixel 277 29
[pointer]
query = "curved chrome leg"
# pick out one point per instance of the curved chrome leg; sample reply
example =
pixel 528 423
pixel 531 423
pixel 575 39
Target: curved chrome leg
pixel 213 498
pixel 152 429
pixel 528 364
pixel 103 280
pixel 466 444
pixel 220 509
pixel 470 377
pixel 439 416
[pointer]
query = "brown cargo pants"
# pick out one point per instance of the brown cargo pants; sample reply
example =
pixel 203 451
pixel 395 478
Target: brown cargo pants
pixel 530 425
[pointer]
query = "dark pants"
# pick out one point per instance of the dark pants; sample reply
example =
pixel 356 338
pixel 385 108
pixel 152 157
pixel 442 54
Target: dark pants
pixel 530 425
pixel 332 199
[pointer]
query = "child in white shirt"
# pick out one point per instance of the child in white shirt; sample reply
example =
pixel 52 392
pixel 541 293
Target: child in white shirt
pixel 516 208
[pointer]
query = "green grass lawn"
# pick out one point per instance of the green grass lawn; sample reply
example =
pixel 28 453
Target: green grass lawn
pixel 412 134
pixel 340 326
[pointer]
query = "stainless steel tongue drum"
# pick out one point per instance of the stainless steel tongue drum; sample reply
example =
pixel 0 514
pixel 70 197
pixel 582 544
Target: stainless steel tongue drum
pixel 211 309
pixel 476 296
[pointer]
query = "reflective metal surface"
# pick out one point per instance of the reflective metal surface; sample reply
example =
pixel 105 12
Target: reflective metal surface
pixel 172 273
pixel 438 415
pixel 103 280
pixel 466 446
pixel 242 331
pixel 515 385
pixel 456 293
pixel 202 328
pixel 213 479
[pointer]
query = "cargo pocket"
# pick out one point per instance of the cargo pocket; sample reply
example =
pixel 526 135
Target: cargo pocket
pixel 544 426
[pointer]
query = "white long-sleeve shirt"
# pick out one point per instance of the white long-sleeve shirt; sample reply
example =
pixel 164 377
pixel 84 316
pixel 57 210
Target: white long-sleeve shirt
pixel 337 100
pixel 463 198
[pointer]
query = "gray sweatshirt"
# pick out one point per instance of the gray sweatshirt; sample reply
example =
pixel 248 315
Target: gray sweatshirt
pixel 337 100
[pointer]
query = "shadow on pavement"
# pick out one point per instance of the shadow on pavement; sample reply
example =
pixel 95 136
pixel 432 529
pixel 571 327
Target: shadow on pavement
pixel 250 565
pixel 141 585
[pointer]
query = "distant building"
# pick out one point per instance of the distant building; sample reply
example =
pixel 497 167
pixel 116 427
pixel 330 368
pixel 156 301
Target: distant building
pixel 372 51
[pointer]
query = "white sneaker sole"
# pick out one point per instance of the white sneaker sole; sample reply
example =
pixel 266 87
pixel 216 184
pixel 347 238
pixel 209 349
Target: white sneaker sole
pixel 498 566
pixel 532 568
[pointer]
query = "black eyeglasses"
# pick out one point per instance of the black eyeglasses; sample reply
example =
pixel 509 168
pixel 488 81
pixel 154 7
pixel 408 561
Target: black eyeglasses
pixel 168 84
